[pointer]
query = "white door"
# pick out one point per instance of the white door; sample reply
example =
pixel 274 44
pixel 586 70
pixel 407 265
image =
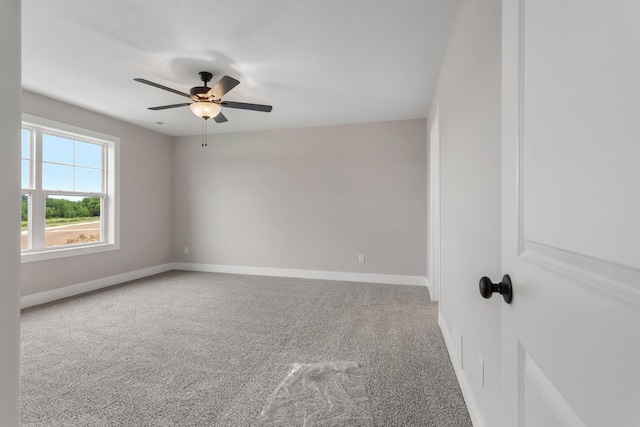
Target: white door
pixel 571 212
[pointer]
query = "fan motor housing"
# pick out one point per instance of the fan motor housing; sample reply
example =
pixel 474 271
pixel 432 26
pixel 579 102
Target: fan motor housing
pixel 199 90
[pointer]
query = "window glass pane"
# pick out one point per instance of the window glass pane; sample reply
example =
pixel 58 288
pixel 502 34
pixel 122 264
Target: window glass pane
pixel 88 154
pixel 88 180
pixel 25 144
pixel 24 233
pixel 57 177
pixel 72 220
pixel 25 173
pixel 57 149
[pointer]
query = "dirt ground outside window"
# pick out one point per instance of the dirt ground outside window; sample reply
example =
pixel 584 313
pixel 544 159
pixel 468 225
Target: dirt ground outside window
pixel 69 234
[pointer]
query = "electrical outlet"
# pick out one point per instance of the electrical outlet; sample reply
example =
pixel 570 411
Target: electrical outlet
pixel 361 258
pixel 186 250
pixel 481 366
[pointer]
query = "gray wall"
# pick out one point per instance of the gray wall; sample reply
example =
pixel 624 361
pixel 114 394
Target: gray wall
pixel 311 198
pixel 146 216
pixel 468 93
pixel 9 209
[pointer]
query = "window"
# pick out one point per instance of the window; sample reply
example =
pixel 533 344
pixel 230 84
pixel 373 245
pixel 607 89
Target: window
pixel 69 190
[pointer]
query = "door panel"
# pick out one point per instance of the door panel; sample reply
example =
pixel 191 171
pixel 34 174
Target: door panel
pixel 571 239
pixel 545 406
pixel 580 115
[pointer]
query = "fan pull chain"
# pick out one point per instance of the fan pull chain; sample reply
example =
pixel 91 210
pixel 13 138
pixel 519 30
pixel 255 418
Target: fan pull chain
pixel 204 133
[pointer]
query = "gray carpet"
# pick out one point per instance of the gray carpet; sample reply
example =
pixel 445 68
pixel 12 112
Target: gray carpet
pixel 207 349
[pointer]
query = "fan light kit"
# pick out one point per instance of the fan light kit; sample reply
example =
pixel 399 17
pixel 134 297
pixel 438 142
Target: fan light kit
pixel 205 110
pixel 207 101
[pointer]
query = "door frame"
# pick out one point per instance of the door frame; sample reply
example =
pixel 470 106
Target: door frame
pixel 433 239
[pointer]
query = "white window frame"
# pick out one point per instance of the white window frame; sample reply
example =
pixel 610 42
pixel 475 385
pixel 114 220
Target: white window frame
pixel 110 203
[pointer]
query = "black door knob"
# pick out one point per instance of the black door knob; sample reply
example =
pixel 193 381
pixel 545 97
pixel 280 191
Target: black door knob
pixel 504 288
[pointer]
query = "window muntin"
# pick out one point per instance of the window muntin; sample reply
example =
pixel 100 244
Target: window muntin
pixel 71 165
pixel 70 197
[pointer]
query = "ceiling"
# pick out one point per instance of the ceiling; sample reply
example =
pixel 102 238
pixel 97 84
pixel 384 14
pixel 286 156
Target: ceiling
pixel 317 62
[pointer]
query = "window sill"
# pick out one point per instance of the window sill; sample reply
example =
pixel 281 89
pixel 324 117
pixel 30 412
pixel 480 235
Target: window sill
pixel 68 252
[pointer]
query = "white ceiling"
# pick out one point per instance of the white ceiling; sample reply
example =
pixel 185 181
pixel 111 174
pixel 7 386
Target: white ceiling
pixel 317 62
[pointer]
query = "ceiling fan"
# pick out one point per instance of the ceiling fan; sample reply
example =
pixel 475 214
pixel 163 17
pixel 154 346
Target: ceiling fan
pixel 207 101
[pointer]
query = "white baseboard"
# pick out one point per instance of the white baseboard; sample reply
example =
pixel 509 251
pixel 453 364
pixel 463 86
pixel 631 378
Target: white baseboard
pixel 80 288
pixel 472 406
pixel 428 285
pixel 306 274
